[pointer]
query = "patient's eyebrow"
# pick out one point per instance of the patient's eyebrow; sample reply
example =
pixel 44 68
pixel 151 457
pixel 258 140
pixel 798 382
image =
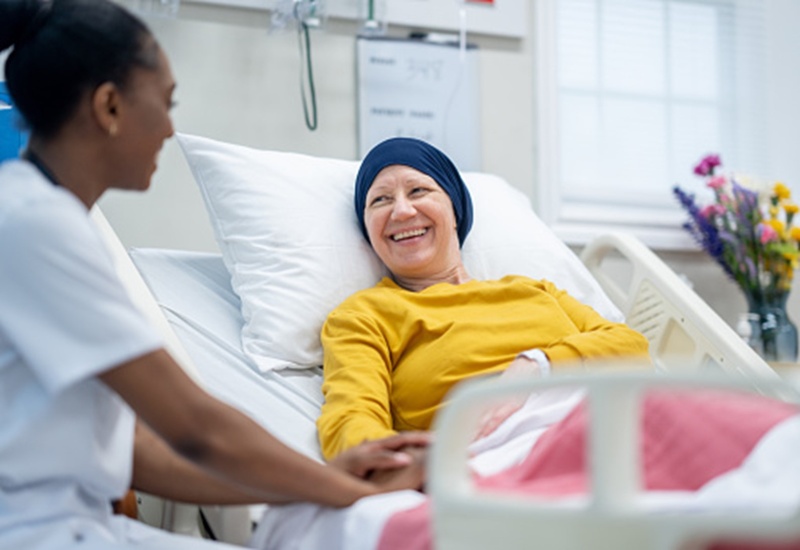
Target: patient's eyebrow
pixel 379 189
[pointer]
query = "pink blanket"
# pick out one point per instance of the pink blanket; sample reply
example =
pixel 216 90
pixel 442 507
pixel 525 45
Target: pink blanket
pixel 686 440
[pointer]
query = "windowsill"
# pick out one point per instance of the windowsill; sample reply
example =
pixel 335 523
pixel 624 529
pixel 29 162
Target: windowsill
pixel 656 238
pixel 785 367
pixel 788 371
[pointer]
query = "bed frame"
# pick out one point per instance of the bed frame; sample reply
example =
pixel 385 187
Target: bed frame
pixel 615 514
pixel 685 335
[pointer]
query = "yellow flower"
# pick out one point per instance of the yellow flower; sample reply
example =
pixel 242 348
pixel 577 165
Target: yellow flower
pixel 791 208
pixel 773 212
pixel 781 191
pixel 777 225
pixel 794 232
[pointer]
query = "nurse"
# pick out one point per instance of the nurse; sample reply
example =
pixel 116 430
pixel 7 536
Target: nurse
pixel 90 402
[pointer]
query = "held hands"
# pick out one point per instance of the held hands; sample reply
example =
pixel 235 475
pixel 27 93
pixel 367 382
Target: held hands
pixel 392 464
pixel 411 476
pixel 491 420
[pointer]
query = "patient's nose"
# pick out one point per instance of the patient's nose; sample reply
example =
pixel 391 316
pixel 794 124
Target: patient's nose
pixel 403 208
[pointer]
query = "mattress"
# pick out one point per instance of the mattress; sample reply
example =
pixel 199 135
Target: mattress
pixel 193 290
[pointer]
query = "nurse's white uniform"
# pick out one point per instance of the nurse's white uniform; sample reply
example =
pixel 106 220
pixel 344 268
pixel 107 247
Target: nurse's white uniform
pixel 66 440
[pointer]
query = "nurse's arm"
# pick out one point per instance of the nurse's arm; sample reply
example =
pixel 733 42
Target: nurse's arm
pixel 227 444
pixel 160 471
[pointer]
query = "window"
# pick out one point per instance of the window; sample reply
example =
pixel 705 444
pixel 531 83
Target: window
pixel 632 93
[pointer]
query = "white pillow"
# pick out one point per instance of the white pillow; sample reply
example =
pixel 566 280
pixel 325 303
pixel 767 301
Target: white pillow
pixel 289 237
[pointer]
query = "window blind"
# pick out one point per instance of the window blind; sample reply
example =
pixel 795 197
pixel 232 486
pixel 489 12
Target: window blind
pixel 642 89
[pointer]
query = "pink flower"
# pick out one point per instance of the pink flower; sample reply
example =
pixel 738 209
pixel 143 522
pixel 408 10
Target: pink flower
pixel 766 233
pixel 707 165
pixel 711 210
pixel 717 182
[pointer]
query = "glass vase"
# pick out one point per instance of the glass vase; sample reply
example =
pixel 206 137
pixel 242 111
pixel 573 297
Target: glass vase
pixel 773 334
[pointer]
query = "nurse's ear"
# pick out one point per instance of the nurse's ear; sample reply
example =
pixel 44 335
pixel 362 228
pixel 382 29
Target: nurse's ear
pixel 106 103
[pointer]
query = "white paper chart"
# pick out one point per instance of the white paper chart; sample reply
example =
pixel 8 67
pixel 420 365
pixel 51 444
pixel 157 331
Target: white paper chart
pixel 423 89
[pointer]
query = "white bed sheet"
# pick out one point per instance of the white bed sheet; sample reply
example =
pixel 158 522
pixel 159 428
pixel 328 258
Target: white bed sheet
pixel 193 290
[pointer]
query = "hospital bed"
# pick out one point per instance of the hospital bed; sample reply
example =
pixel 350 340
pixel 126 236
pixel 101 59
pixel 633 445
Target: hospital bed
pixel 203 305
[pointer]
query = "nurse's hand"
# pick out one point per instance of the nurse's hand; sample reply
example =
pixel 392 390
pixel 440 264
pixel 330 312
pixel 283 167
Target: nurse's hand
pixel 390 453
pixel 411 476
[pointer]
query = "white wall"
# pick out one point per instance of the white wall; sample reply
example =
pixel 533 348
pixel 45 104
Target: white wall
pixel 238 83
pixel 784 101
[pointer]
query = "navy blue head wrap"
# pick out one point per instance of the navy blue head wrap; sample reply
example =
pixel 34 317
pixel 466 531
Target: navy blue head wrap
pixel 427 159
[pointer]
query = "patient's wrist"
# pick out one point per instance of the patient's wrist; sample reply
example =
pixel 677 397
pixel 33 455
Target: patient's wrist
pixel 539 357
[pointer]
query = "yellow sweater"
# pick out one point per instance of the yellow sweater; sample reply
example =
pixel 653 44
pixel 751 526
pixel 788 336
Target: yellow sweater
pixel 392 354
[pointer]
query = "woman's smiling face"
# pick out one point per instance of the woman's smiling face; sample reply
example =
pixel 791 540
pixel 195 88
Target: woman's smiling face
pixel 145 123
pixel 411 223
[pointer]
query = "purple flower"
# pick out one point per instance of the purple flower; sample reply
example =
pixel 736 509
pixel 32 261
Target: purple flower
pixel 728 237
pixel 706 166
pixel 737 234
pixel 703 230
pixel 746 197
pixel 751 268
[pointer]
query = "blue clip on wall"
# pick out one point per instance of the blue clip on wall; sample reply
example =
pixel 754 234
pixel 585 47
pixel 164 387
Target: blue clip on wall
pixel 12 140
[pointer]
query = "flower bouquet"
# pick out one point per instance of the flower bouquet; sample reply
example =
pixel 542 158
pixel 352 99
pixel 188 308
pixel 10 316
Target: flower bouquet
pixel 751 236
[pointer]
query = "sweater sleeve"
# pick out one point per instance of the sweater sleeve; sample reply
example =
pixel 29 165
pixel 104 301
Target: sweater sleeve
pixel 597 337
pixel 358 382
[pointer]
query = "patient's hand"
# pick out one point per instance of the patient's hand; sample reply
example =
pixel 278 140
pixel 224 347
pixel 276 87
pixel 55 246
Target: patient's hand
pixel 411 476
pixel 388 454
pixel 519 368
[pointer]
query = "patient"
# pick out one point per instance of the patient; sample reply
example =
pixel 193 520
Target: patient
pixel 392 352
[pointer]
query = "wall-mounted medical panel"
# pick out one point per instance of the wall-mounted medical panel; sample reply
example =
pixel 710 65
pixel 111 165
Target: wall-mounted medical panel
pixel 421 89
pixel 494 17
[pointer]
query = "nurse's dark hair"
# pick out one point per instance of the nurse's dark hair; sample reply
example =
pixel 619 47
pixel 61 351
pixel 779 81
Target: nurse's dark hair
pixel 63 49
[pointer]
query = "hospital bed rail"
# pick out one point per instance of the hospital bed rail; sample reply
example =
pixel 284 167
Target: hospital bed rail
pixel 683 331
pixel 615 513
